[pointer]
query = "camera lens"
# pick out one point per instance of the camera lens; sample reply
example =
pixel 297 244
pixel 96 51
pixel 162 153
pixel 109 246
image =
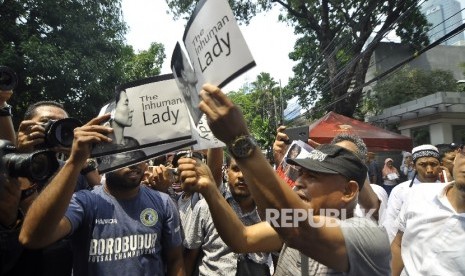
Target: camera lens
pixel 61 132
pixel 8 79
pixel 37 166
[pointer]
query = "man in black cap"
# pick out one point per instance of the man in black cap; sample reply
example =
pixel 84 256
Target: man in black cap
pixel 319 224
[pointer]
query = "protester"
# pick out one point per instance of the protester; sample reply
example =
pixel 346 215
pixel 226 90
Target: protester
pixel 431 235
pixel 330 179
pixel 407 168
pixel 447 153
pixel 202 239
pixel 119 228
pixel 426 161
pixel 372 199
pixel 390 175
pixel 374 172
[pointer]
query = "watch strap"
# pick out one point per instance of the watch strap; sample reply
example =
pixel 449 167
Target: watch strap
pixel 6 111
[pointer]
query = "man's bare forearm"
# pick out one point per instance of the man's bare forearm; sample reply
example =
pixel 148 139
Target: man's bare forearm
pixel 49 208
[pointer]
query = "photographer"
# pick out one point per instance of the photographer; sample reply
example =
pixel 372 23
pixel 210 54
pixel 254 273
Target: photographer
pixel 32 135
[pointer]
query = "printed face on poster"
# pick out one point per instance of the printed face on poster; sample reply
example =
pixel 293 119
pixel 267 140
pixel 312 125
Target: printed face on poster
pixel 145 113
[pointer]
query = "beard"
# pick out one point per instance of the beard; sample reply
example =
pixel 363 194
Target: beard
pixel 121 181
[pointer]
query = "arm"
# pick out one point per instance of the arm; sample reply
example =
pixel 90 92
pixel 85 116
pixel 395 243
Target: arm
pixel 6 124
pixel 369 200
pixel 45 222
pixel 190 259
pixel 259 237
pixel 215 163
pixel 174 261
pixel 279 145
pixel 397 264
pixel 324 244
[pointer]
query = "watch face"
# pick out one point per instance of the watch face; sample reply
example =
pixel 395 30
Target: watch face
pixel 92 163
pixel 243 147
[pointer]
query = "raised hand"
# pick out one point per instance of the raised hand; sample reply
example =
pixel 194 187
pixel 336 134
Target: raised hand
pixel 224 118
pixel 87 135
pixel 195 175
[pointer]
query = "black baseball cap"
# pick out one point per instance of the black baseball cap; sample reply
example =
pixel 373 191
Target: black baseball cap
pixel 333 159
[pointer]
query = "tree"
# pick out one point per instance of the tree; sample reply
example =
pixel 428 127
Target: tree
pixel 72 52
pixel 409 84
pixel 262 108
pixel 333 52
pixel 145 64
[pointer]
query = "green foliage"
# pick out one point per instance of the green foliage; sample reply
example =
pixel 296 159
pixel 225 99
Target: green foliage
pixel 261 106
pixel 145 64
pixel 334 47
pixel 409 84
pixel 243 9
pixel 69 51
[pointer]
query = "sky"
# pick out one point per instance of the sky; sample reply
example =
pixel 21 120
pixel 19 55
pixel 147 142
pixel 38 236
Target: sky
pixel 269 41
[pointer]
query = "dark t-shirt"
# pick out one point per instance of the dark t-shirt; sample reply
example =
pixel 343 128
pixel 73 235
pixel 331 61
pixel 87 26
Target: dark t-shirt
pixel 122 237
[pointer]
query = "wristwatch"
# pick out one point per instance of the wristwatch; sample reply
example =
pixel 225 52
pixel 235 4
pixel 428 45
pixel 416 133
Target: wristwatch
pixel 91 165
pixel 242 147
pixel 5 110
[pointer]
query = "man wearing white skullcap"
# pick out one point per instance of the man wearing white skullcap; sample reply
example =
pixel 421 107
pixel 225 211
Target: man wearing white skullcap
pixel 426 163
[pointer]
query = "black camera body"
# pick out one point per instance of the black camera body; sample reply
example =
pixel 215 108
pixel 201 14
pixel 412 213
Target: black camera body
pixel 60 132
pixel 8 78
pixel 37 166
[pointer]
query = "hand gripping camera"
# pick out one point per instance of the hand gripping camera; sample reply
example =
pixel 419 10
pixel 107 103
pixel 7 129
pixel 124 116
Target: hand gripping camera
pixel 37 166
pixel 60 132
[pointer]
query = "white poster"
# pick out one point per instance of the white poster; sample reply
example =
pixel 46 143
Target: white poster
pixel 145 113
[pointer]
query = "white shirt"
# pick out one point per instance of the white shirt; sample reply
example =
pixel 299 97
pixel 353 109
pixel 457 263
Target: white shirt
pixel 383 198
pixel 434 233
pixel 396 199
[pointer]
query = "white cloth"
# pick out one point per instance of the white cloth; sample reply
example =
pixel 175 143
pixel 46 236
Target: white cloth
pixel 383 198
pixel 396 199
pixel 434 233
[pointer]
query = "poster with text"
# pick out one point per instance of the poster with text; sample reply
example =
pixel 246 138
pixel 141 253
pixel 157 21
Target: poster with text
pixel 215 44
pixel 145 113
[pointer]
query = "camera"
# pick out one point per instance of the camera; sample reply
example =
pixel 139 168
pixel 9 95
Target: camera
pixel 37 166
pixel 60 132
pixel 8 78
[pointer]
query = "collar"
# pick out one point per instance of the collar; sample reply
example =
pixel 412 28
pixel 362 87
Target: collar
pixel 444 201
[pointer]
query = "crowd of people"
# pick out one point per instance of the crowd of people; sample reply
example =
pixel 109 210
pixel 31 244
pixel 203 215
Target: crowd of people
pixel 227 212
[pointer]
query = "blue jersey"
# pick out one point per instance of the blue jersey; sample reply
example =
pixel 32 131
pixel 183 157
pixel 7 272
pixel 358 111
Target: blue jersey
pixel 122 237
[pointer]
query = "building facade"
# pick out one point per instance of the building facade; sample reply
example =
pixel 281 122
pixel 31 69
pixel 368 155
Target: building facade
pixel 444 16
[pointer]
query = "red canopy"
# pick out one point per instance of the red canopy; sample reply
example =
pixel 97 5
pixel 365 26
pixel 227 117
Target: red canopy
pixel 376 139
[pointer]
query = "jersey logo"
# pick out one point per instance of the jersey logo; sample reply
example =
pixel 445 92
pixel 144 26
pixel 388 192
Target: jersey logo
pixel 148 217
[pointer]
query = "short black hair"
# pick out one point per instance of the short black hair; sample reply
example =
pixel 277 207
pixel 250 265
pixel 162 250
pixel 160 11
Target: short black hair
pixel 446 148
pixel 362 150
pixel 31 109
